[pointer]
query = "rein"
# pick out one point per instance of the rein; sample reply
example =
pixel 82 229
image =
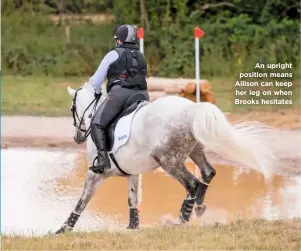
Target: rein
pixel 81 120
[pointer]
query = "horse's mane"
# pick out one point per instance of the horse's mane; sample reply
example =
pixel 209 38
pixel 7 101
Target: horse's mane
pixel 89 87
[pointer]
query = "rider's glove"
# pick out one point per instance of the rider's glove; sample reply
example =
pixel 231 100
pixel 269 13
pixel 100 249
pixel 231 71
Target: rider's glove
pixel 97 95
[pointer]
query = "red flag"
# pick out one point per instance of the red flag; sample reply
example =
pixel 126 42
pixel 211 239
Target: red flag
pixel 140 33
pixel 198 32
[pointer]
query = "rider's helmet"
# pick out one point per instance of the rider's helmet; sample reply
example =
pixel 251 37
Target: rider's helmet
pixel 126 33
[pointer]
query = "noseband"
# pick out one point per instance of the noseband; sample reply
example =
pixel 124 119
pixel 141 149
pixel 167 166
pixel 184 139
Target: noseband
pixel 81 120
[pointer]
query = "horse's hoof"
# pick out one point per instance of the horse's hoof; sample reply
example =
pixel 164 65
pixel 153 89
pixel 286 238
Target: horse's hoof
pixel 200 210
pixel 64 229
pixel 179 222
pixel 50 234
pixel 133 226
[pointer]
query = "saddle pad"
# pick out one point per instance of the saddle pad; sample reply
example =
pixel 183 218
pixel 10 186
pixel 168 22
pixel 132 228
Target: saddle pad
pixel 123 129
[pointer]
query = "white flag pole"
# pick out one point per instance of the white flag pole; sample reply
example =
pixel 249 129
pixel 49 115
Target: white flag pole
pixel 197 69
pixel 141 45
pixel 197 34
pixel 140 34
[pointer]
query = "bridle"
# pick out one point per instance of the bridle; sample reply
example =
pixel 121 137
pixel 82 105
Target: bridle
pixel 81 120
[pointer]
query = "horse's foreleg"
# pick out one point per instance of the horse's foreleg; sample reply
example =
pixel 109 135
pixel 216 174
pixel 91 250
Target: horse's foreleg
pixel 133 201
pixel 191 184
pixel 208 173
pixel 91 183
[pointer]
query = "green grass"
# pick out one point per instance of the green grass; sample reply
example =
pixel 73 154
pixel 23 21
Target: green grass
pixel 240 235
pixel 37 95
pixel 48 95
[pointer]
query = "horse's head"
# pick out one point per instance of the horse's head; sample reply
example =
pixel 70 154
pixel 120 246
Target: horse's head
pixel 83 105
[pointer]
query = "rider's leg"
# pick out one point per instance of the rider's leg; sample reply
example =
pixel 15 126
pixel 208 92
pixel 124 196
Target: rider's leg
pixel 105 114
pixel 99 139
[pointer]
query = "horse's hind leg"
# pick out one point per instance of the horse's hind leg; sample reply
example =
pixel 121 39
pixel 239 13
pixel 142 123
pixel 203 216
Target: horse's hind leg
pixel 92 181
pixel 133 182
pixel 207 171
pixel 178 171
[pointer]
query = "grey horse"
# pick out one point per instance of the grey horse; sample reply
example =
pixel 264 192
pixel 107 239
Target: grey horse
pixel 164 133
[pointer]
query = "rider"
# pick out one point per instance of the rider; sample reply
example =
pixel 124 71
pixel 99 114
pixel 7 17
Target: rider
pixel 126 69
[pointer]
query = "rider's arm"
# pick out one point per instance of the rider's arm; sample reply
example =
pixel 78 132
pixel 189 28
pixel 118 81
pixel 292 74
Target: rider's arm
pixel 102 70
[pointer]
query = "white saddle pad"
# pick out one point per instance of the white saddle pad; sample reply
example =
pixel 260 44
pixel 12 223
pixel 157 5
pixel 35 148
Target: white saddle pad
pixel 123 129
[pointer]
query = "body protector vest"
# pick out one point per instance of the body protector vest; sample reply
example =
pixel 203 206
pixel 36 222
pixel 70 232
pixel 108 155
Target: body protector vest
pixel 129 70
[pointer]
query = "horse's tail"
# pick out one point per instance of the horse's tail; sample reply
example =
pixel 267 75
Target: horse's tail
pixel 242 142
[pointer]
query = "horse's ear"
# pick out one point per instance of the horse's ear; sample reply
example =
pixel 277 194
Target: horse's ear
pixel 71 91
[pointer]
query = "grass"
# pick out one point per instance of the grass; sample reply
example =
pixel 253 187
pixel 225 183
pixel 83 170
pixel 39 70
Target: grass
pixel 244 235
pixel 48 95
pixel 37 95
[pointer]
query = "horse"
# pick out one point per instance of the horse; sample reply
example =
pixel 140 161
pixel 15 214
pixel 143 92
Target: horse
pixel 164 133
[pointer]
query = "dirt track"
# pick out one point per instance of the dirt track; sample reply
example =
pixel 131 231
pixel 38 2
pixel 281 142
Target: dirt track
pixel 58 132
pixel 32 131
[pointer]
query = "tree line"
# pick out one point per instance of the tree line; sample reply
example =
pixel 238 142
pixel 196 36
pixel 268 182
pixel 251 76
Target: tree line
pixel 239 34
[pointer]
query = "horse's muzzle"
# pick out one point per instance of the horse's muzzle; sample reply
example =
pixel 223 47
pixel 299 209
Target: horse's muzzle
pixel 79 138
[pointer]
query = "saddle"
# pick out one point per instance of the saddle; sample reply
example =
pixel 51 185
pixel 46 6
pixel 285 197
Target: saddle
pixel 130 106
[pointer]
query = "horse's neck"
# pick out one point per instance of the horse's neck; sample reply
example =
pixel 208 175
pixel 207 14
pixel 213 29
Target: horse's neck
pixel 89 86
pixel 90 89
pixel 92 109
pixel 90 146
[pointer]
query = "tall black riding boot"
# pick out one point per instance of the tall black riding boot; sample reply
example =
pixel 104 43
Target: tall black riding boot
pixel 98 136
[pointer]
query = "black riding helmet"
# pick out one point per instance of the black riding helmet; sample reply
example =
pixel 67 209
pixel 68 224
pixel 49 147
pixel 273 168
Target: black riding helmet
pixel 125 33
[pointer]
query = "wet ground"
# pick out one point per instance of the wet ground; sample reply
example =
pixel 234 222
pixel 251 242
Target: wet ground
pixel 57 132
pixel 40 188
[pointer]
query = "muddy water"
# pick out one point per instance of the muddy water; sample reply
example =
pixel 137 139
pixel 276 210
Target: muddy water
pixel 41 187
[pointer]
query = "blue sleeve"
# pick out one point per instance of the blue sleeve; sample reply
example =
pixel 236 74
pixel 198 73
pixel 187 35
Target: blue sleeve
pixel 101 73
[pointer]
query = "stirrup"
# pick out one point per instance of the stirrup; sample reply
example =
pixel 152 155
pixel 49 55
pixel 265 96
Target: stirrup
pixel 106 163
pixel 96 168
